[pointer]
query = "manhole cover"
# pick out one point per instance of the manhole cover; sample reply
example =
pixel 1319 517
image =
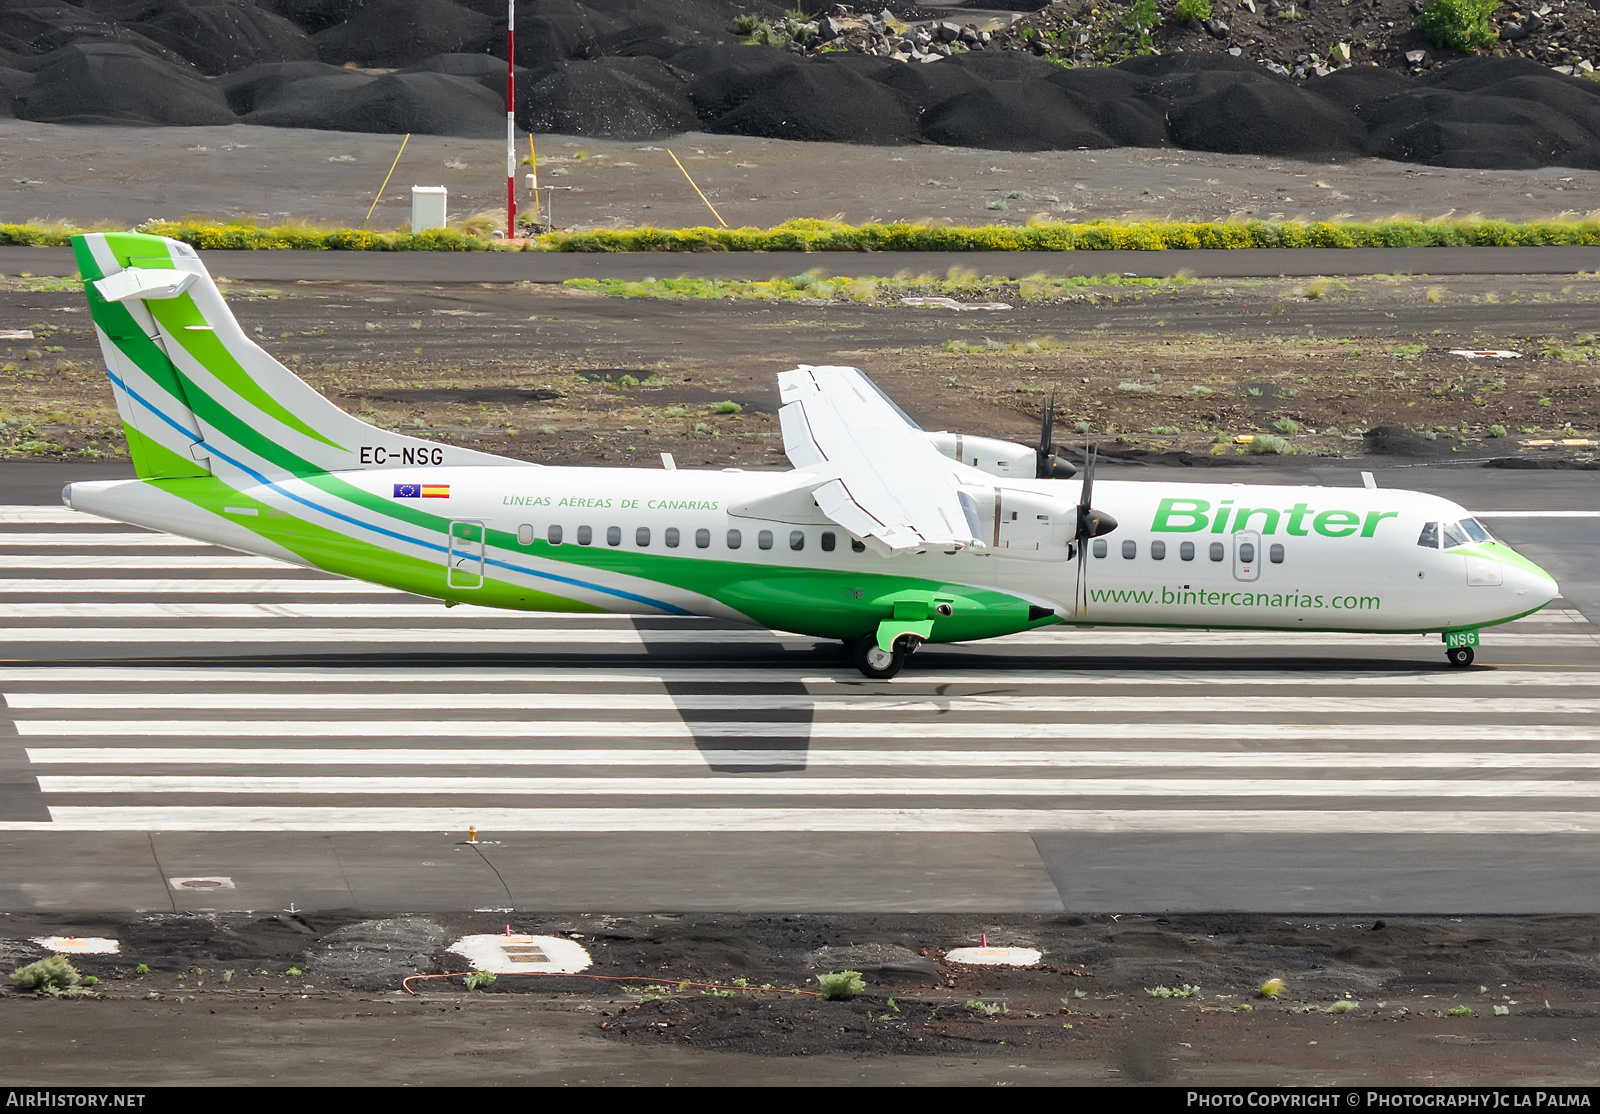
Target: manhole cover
pixel 216 882
pixel 79 945
pixel 995 957
pixel 502 955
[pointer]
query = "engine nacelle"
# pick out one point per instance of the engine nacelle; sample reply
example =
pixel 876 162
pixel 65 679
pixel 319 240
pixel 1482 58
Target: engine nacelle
pixel 1024 524
pixel 988 454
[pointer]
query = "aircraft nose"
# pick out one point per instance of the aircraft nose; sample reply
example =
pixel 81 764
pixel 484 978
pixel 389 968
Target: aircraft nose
pixel 1534 586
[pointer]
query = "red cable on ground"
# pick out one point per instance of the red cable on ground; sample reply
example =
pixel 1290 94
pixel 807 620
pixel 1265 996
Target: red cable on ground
pixel 405 984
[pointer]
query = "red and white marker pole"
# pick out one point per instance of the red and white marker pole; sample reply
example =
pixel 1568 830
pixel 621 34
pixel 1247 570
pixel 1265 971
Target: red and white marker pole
pixel 511 118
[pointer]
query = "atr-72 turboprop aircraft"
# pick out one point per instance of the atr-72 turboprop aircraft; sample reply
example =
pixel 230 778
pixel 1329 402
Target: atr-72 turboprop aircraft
pixel 882 535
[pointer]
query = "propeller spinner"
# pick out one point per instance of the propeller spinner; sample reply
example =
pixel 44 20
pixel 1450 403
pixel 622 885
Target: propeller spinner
pixel 1091 524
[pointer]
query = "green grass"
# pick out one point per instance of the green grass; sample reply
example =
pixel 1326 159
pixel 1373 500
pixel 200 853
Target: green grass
pixel 53 973
pixel 807 234
pixel 837 986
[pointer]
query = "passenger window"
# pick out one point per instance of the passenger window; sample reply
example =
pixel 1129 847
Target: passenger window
pixel 857 545
pixel 1130 549
pixel 1454 535
pixel 797 540
pixel 702 539
pixel 613 535
pixel 553 535
pixel 1429 538
pixel 585 535
pixel 764 539
pixel 641 537
pixel 1247 553
pixel 1158 551
pixel 1475 530
pixel 1275 554
pixel 1216 551
pixel 735 539
pixel 1186 551
pixel 828 541
pixel 1099 549
pixel 672 537
pixel 524 534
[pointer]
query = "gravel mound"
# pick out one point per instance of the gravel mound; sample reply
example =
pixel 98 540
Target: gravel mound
pixel 1013 116
pixel 113 83
pixel 424 103
pixel 221 38
pixel 377 955
pixel 613 98
pixel 648 68
pixel 827 103
pixel 398 32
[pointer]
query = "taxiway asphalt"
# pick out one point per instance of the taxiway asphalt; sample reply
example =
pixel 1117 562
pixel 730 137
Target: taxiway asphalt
pixel 187 728
pixel 555 267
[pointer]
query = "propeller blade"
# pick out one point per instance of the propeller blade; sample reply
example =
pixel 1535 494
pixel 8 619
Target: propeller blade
pixel 1042 468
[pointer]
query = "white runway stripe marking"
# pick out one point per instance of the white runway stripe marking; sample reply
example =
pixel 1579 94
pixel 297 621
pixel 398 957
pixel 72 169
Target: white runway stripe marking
pixel 153 586
pixel 469 730
pixel 817 758
pixel 25 514
pixel 531 638
pixel 18 562
pixel 113 538
pixel 279 680
pixel 454 821
pixel 743 786
pixel 1196 704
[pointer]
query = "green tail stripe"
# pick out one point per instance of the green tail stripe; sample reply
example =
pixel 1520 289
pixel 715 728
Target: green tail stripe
pixel 210 353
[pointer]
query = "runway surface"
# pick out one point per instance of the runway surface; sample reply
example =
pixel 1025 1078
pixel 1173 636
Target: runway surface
pixel 190 728
pixel 549 267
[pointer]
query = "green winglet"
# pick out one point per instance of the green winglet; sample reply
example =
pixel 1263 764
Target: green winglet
pixel 890 631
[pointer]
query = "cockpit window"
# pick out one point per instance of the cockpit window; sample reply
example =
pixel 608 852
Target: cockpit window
pixel 1454 535
pixel 1475 530
pixel 1429 538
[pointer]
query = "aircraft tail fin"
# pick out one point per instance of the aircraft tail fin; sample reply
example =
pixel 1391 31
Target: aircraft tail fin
pixel 198 396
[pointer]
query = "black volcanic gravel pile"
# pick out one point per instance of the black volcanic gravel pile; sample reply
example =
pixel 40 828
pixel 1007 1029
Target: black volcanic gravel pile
pixel 647 68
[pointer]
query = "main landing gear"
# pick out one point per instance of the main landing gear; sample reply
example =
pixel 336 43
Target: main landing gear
pixel 878 664
pixel 1460 656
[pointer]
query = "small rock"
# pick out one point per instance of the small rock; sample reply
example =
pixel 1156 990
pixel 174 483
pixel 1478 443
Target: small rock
pixel 947 32
pixel 829 29
pixel 1341 53
pixel 1585 67
pixel 1417 57
pixel 1235 51
pixel 1563 70
pixel 1534 22
pixel 1511 32
pixel 1248 5
pixel 1216 28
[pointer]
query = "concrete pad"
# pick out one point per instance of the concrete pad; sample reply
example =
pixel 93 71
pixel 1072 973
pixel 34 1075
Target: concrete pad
pixel 1317 874
pixel 287 869
pixel 775 872
pixel 107 872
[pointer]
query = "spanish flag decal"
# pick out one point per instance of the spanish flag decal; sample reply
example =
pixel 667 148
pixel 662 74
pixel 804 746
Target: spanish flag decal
pixel 422 491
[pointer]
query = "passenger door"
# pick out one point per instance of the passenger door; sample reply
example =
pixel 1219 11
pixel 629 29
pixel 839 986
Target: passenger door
pixel 464 555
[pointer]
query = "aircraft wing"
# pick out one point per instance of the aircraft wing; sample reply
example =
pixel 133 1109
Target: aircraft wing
pixel 883 480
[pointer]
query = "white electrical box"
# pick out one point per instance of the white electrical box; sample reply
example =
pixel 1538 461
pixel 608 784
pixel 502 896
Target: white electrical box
pixel 428 205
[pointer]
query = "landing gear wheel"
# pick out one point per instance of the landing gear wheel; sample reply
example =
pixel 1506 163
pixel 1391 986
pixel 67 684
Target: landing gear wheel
pixel 875 663
pixel 1460 657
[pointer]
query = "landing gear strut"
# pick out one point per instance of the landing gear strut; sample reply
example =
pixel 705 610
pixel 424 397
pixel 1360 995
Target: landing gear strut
pixel 1460 657
pixel 878 664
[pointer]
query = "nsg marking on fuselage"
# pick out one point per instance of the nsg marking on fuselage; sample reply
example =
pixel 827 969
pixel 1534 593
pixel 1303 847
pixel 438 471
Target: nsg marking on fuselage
pixel 882 535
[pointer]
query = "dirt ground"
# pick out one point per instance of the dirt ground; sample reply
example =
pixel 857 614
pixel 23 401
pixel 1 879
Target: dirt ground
pixel 88 173
pixel 263 998
pixel 1175 370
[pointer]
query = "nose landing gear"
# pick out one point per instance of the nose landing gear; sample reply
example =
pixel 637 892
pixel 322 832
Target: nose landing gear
pixel 1460 656
pixel 1458 646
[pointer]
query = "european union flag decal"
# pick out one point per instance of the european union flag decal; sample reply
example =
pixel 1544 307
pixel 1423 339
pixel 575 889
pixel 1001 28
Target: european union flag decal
pixel 422 491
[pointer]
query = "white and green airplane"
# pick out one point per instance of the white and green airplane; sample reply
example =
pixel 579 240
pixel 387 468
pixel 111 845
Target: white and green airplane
pixel 882 535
